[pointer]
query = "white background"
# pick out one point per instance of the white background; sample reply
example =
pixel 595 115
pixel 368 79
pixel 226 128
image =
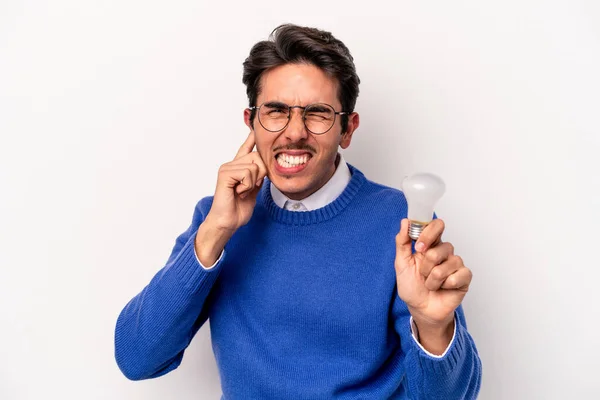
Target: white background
pixel 115 116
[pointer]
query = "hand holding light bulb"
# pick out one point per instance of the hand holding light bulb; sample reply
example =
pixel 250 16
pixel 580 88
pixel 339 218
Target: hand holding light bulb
pixel 432 281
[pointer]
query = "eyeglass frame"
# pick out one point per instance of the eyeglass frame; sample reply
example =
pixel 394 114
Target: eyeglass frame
pixel 335 113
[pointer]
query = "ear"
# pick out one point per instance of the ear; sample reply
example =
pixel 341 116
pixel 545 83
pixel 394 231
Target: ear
pixel 353 123
pixel 247 121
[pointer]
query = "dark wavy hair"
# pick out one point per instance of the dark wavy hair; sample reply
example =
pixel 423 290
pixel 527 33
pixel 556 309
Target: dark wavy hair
pixel 293 44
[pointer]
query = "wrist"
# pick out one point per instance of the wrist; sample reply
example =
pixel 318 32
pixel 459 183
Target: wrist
pixel 210 241
pixel 442 330
pixel 435 337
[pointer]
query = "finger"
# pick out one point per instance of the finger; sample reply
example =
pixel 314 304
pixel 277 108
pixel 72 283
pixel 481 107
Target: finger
pixel 431 235
pixel 255 158
pixel 253 168
pixel 460 280
pixel 235 166
pixel 251 193
pixel 440 273
pixel 239 179
pixel 403 244
pixel 434 257
pixel 249 181
pixel 247 146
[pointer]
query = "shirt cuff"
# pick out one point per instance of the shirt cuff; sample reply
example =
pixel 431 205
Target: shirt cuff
pixel 415 334
pixel 212 266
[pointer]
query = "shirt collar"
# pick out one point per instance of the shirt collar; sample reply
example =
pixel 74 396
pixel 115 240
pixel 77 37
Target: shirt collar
pixel 325 195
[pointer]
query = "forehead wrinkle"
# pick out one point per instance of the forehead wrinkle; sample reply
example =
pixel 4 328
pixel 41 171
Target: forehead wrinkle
pixel 294 86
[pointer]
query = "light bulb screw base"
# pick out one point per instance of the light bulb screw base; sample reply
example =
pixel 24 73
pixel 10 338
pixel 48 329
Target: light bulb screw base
pixel 415 229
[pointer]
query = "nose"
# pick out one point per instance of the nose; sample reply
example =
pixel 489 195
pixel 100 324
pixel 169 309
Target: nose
pixel 296 130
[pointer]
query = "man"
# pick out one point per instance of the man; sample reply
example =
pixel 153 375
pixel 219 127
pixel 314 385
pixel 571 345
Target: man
pixel 303 265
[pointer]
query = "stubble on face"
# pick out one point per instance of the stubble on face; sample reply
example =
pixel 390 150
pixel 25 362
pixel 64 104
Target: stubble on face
pixel 299 84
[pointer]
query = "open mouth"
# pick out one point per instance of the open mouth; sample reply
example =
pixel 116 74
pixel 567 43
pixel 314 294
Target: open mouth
pixel 292 162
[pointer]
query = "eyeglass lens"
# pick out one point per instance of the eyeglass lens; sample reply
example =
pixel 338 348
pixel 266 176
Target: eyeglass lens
pixel 318 118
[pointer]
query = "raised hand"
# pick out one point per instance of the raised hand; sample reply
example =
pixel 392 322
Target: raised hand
pixel 238 184
pixel 432 281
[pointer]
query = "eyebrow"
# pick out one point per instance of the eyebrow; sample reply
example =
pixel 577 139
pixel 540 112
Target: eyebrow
pixel 275 104
pixel 319 108
pixel 281 105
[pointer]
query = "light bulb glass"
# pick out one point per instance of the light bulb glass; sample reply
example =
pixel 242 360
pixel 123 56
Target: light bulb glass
pixel 422 192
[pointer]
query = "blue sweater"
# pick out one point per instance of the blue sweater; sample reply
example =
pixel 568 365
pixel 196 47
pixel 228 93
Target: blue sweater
pixel 303 305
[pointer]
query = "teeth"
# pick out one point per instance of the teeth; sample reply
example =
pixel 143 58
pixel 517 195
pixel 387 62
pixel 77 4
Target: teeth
pixel 288 161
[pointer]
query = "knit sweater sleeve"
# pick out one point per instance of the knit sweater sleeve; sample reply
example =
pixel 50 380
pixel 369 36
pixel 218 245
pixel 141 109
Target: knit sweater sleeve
pixel 156 326
pixel 456 375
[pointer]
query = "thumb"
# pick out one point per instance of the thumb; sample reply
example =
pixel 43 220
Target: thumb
pixel 404 245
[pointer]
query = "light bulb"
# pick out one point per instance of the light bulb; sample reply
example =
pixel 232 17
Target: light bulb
pixel 422 191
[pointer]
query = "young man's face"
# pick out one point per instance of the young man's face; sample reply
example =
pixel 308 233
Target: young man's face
pixel 300 84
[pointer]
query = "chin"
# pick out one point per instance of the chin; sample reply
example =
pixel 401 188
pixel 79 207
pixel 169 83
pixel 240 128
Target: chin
pixel 287 186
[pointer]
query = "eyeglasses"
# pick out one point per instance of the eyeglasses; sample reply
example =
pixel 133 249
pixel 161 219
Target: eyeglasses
pixel 318 118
